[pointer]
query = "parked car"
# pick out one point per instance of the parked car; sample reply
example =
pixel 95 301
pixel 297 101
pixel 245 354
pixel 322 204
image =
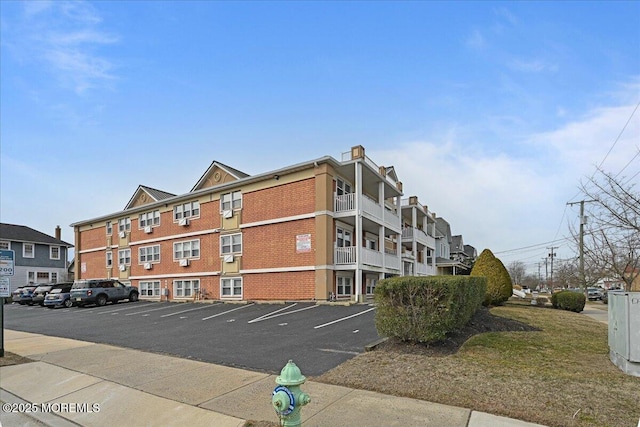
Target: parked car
pixel 101 291
pixel 41 291
pixel 595 294
pixel 15 295
pixel 59 296
pixel 26 295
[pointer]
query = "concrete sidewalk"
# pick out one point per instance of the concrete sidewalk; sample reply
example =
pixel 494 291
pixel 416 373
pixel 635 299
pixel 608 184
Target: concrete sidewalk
pixel 99 385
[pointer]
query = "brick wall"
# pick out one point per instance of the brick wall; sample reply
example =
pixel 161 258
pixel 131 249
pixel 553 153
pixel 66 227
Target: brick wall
pixel 274 245
pixel 290 199
pixel 298 285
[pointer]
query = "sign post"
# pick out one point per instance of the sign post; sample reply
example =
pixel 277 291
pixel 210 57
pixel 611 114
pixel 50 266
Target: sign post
pixel 7 264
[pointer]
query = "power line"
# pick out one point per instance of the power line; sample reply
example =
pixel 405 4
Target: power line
pixel 619 135
pixel 532 246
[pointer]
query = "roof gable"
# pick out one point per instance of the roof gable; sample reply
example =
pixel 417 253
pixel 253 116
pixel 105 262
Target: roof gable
pixel 145 195
pixel 22 233
pixel 218 173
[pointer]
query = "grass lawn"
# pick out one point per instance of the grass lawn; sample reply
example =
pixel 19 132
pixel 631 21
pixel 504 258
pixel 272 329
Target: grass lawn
pixel 559 375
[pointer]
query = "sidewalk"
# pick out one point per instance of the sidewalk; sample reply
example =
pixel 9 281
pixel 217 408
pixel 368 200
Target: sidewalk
pixel 128 387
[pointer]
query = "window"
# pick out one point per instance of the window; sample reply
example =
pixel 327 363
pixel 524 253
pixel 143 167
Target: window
pixel 149 219
pixel 343 239
pixel 5 246
pixel 371 282
pixel 231 201
pixel 187 249
pixel 231 244
pixel 231 287
pixel 109 259
pixel 54 252
pixel 186 210
pixel 28 250
pixel 343 286
pixel 149 254
pixel 185 288
pixel 150 289
pixel 343 187
pixel 109 228
pixel 42 276
pixel 31 277
pixel 124 224
pixel 54 277
pixel 124 257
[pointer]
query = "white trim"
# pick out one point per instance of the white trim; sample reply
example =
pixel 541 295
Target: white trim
pixel 278 220
pixel 51 252
pixel 232 296
pixel 33 250
pixel 175 236
pixel 102 248
pixel 174 275
pixel 279 269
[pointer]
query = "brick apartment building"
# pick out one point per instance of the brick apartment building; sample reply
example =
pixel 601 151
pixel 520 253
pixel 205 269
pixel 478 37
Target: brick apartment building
pixel 312 231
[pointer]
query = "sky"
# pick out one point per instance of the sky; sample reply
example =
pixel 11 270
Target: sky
pixel 492 113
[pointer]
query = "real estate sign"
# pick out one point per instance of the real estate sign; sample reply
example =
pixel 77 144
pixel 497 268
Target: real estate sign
pixel 6 262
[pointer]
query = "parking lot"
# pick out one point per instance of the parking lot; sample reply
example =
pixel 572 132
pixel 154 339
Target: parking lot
pixel 259 337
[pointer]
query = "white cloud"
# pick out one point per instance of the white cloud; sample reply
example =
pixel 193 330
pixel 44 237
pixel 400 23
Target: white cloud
pixel 505 202
pixel 66 37
pixel 476 40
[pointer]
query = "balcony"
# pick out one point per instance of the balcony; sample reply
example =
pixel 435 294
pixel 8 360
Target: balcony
pixel 371 258
pixel 421 236
pixel 344 256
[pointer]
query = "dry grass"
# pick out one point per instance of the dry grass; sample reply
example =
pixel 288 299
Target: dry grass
pixel 558 376
pixel 13 359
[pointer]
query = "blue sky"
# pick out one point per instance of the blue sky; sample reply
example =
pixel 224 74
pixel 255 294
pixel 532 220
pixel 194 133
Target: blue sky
pixel 491 112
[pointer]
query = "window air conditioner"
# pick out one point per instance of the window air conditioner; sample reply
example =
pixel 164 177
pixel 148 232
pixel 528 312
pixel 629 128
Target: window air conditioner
pixel 184 263
pixel 147 266
pixel 147 229
pixel 184 222
pixel 227 213
pixel 123 234
pixel 228 258
pixel 123 267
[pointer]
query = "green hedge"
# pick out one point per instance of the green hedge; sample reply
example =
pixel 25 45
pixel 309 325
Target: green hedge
pixel 568 300
pixel 424 309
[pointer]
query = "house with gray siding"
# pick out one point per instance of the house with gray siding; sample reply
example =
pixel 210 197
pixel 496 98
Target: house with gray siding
pixel 39 257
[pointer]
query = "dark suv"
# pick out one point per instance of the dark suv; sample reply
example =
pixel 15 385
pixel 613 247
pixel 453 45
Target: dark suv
pixel 101 291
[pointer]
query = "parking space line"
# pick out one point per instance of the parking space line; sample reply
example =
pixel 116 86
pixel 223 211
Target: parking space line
pixel 228 311
pixel 273 312
pixel 343 318
pixel 122 309
pixel 185 311
pixel 270 316
pixel 153 309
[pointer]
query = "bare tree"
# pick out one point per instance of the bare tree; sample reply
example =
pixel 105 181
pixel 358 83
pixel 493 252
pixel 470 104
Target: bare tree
pixel 612 241
pixel 517 272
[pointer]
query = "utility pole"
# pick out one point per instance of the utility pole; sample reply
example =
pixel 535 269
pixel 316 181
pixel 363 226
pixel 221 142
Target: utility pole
pixel 552 255
pixel 583 222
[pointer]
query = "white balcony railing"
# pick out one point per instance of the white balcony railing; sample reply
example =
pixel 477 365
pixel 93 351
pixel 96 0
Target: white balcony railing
pixel 371 257
pixel 344 202
pixel 345 255
pixel 391 219
pixel 371 207
pixel 392 261
pixel 421 269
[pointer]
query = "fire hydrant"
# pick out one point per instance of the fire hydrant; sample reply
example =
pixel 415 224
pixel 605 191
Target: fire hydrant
pixel 287 398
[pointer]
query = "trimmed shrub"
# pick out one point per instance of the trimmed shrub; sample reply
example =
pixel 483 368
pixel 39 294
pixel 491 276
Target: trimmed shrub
pixel 499 288
pixel 424 309
pixel 568 300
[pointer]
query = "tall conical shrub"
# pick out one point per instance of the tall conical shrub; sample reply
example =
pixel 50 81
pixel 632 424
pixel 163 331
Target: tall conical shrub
pixel 499 287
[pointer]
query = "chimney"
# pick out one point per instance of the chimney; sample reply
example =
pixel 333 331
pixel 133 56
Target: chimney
pixel 58 232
